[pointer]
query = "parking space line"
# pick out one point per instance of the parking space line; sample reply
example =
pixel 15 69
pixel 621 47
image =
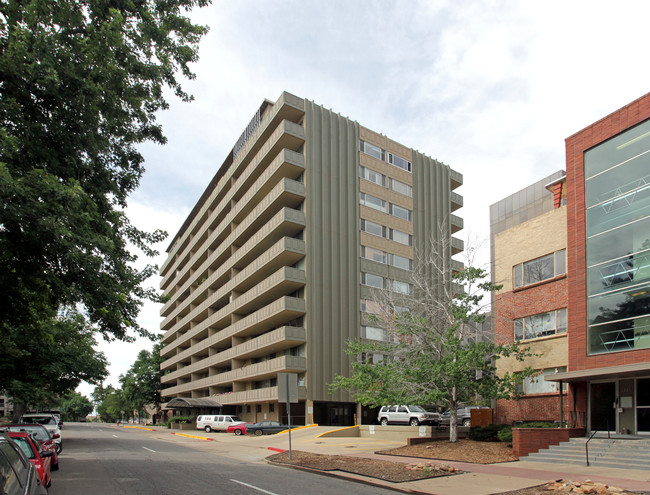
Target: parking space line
pixel 253 487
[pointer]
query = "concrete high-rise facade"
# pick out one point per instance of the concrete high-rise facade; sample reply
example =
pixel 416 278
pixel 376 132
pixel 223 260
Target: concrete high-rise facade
pixel 273 269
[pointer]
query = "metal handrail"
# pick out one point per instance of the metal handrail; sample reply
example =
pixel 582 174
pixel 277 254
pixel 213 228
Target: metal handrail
pixel 592 436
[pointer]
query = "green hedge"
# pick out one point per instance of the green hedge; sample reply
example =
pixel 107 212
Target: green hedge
pixel 538 424
pixel 179 419
pixel 489 433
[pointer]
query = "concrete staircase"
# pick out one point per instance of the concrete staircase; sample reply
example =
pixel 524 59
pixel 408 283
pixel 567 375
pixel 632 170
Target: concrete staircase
pixel 617 452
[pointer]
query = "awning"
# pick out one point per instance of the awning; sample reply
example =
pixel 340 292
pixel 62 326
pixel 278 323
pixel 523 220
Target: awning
pixel 622 371
pixel 182 402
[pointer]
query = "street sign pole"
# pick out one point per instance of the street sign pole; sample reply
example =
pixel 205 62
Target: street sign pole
pixel 289 418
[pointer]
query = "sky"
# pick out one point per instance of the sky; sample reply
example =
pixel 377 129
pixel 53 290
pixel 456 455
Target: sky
pixel 491 88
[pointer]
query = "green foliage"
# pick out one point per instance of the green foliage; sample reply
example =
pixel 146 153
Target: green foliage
pixel 141 384
pixel 81 82
pixel 538 424
pixel 112 406
pixel 75 406
pixel 489 433
pixel 180 419
pixel 55 364
pixel 505 435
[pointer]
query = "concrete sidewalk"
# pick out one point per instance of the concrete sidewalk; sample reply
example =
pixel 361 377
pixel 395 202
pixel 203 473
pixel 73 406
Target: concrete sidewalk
pixel 477 479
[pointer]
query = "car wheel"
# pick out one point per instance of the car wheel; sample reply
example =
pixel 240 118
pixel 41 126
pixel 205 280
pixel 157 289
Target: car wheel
pixel 207 429
pixel 258 433
pixel 237 432
pixel 466 422
pixel 384 422
pixel 59 448
pixel 415 422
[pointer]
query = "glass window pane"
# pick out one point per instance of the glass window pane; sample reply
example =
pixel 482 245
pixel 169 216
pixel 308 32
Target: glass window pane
pixel 400 212
pixel 561 320
pixel 401 237
pixel 372 202
pixel 539 269
pixel 560 262
pixel 518 275
pixel 373 228
pixel 401 262
pixel 373 333
pixel 373 254
pixel 372 176
pixel 519 329
pixel 401 188
pixel 401 287
pixel 372 150
pixel 372 280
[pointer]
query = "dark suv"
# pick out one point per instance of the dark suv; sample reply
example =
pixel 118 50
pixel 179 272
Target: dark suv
pixel 463 413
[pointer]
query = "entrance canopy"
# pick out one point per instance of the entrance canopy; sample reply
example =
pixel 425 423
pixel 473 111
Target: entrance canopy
pixel 622 371
pixel 185 403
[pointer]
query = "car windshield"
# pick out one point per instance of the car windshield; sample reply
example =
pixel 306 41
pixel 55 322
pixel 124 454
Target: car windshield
pixel 38 432
pixel 416 409
pixel 25 446
pixel 38 420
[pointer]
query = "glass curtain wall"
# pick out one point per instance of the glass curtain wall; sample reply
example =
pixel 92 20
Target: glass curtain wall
pixel 617 195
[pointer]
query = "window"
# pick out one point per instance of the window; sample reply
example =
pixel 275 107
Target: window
pixel 399 162
pixel 368 306
pixel 372 280
pixel 373 228
pixel 271 407
pixel 401 237
pixel 373 333
pixel 541 325
pixel 371 357
pixel 537 270
pixel 400 262
pixel 259 408
pixel 400 212
pixel 538 385
pixel 373 254
pixel 401 188
pixel 401 287
pixel 372 202
pixel 372 176
pixel 372 150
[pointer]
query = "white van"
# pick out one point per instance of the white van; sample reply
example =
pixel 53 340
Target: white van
pixel 216 422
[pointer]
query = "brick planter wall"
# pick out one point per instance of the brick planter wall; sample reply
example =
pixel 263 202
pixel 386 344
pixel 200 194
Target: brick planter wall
pixel 528 440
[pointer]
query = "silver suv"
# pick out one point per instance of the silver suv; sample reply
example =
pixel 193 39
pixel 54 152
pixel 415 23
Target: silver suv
pixel 463 416
pixel 406 415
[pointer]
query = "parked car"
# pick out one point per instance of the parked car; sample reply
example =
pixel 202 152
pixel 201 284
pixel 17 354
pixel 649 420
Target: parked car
pixel 238 429
pixel 19 476
pixel 463 416
pixel 265 428
pixel 407 415
pixel 219 422
pixel 41 434
pixel 37 455
pixel 49 422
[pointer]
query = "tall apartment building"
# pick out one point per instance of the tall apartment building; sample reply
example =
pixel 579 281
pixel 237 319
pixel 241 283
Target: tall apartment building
pixel 608 262
pixel 275 265
pixel 528 234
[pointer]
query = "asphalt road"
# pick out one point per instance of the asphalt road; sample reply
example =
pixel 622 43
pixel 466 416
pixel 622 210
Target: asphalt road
pixel 103 460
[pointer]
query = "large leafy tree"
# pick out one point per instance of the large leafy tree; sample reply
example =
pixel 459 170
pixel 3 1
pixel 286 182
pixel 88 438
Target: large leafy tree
pixel 112 406
pixel 141 384
pixel 53 366
pixel 435 350
pixel 80 84
pixel 75 406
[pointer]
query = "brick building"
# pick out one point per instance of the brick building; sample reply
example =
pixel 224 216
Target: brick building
pixel 528 257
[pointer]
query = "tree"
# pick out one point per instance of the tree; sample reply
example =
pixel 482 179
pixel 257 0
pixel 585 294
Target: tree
pixel 75 406
pixel 53 367
pixel 433 351
pixel 113 406
pixel 141 384
pixel 80 84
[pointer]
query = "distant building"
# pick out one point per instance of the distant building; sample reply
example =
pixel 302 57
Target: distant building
pixel 274 268
pixel 528 257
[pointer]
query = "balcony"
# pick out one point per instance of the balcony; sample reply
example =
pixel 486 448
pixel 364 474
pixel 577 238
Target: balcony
pixel 268 394
pixel 455 179
pixel 457 246
pixel 456 201
pixel 457 223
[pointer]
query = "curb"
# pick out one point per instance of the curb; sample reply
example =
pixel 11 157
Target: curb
pixel 193 436
pixel 344 476
pixel 140 428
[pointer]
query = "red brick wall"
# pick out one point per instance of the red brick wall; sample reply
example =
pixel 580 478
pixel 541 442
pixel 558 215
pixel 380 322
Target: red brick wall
pixel 528 440
pixel 539 407
pixel 576 145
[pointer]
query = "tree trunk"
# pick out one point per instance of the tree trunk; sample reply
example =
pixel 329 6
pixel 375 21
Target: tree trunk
pixel 453 417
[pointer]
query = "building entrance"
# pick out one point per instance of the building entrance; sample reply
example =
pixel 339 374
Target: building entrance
pixel 643 406
pixel 602 406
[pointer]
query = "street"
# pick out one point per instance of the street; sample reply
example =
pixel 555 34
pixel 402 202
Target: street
pixel 101 459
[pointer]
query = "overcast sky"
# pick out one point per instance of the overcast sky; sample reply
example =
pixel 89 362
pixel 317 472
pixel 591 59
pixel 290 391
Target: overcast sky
pixel 491 88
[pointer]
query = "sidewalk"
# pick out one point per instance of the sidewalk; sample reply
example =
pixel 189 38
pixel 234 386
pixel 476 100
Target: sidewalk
pixel 477 479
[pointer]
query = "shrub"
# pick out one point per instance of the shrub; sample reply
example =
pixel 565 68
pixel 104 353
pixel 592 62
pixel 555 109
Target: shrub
pixel 179 419
pixel 487 433
pixel 538 424
pixel 505 434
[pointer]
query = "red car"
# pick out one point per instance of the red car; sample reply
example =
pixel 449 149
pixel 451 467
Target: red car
pixel 41 434
pixel 37 455
pixel 238 429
